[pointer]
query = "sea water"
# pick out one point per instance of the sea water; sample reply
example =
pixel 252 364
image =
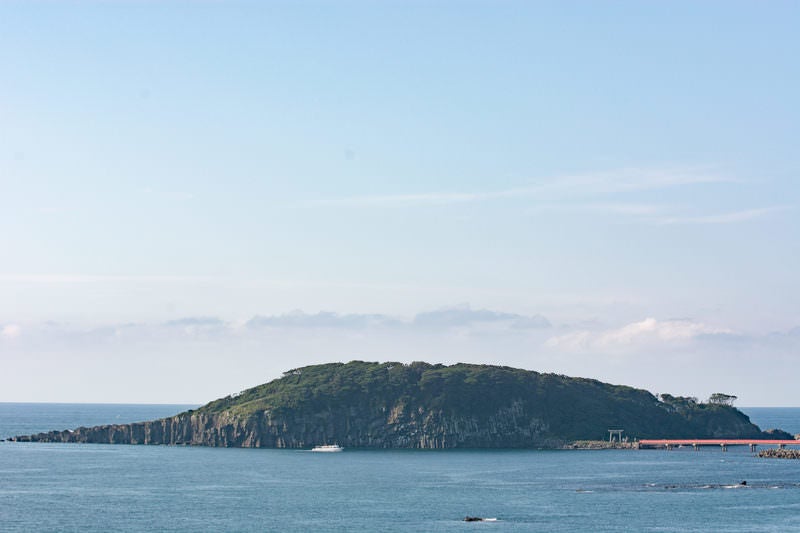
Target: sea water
pixel 94 487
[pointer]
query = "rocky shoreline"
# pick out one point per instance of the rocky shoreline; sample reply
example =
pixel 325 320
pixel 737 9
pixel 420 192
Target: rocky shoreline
pixel 424 406
pixel 150 433
pixel 780 453
pixel 599 445
pixel 505 429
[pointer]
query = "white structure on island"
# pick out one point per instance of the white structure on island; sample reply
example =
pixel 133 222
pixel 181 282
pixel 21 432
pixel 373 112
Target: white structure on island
pixel 615 433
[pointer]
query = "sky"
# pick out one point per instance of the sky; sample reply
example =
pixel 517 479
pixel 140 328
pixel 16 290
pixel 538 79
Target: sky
pixel 196 197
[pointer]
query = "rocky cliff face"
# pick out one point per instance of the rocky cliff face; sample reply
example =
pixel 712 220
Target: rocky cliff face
pixel 397 427
pixel 392 405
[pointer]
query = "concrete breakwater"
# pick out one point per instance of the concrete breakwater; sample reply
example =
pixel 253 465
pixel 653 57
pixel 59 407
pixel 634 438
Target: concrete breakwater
pixel 599 445
pixel 780 453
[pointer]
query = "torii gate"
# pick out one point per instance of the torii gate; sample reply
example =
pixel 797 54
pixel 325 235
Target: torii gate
pixel 615 433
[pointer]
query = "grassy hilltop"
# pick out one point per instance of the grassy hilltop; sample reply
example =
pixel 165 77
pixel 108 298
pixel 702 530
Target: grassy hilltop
pixel 421 405
pixel 573 408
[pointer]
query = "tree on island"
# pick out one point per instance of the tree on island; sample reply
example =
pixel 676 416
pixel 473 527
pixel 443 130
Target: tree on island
pixel 719 398
pixel 680 404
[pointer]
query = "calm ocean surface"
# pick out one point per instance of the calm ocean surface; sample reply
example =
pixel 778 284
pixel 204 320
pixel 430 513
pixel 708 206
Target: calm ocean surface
pixel 65 487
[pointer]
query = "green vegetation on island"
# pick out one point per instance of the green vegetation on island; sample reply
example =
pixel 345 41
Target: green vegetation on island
pixel 421 405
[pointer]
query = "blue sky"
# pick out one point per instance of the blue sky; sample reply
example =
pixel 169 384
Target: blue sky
pixel 195 197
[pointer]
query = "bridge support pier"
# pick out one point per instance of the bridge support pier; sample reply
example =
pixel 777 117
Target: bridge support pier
pixel 670 444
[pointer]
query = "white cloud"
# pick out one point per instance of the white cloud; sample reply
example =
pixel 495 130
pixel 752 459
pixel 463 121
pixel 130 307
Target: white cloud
pixel 574 341
pixel 323 319
pixel 10 331
pixel 722 218
pixel 660 215
pixel 623 180
pixel 464 316
pixel 570 194
pixel 199 325
pixel 216 361
pixel 647 332
pixel 666 330
pixel 443 321
pixel 636 179
pixel 402 200
pixel 630 209
pixel 90 278
pixel 203 321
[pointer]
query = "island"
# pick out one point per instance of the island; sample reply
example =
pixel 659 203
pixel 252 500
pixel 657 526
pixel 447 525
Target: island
pixel 429 406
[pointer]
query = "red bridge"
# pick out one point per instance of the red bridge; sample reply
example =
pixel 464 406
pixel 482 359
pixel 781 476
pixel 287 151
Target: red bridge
pixel 722 443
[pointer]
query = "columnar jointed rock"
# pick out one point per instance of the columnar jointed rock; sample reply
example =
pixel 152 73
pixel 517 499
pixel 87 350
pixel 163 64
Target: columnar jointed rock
pixel 263 430
pixel 393 405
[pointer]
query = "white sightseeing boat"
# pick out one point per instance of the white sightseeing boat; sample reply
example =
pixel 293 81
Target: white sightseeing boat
pixel 327 448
